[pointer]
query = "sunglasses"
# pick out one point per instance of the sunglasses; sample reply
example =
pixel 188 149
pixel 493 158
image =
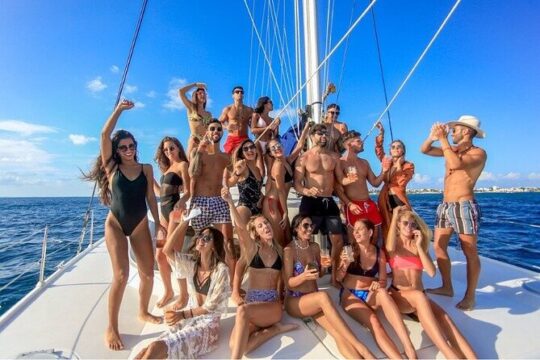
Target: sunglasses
pixel 248 148
pixel 307 226
pixel 217 128
pixel 205 238
pixel 172 148
pixel 238 91
pixel 321 133
pixel 398 146
pixel 334 113
pixel 124 148
pixel 276 147
pixel 410 224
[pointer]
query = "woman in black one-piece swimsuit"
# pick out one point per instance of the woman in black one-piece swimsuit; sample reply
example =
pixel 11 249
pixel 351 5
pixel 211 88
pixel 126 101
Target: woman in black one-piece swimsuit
pixel 125 186
pixel 174 192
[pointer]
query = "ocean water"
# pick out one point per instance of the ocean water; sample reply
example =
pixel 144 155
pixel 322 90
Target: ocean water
pixel 510 232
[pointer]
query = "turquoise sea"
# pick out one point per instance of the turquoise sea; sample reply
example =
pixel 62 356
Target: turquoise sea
pixel 510 232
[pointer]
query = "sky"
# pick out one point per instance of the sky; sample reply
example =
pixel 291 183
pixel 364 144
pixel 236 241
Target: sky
pixel 61 63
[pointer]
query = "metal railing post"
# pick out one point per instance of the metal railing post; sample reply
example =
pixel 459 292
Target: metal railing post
pixel 43 257
pixel 91 227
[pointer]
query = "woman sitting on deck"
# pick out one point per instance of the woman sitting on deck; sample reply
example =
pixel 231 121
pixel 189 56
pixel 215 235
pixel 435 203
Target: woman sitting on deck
pixel 257 319
pixel 174 192
pixel 126 186
pixel 279 183
pixel 302 261
pixel 194 331
pixel 363 292
pixel 407 246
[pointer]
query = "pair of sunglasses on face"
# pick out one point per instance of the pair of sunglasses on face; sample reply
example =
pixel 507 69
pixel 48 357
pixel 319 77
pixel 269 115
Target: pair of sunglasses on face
pixel 124 148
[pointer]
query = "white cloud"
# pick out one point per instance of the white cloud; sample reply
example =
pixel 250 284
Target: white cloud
pixel 114 69
pixel 22 154
pixel 512 176
pixel 487 176
pixel 96 85
pixel 80 139
pixel 421 179
pixel 440 180
pixel 151 94
pixel 173 100
pixel 534 176
pixel 139 104
pixel 130 89
pixel 24 128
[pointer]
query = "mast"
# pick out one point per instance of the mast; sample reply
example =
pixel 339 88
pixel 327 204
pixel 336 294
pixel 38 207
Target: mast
pixel 311 52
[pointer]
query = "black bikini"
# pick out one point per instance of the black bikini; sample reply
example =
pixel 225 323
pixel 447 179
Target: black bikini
pixel 355 268
pixel 201 287
pixel 250 193
pixel 169 193
pixel 258 263
pixel 128 200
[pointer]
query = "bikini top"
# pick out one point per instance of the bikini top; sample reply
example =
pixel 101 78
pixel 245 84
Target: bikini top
pixel 405 262
pixel 299 268
pixel 258 263
pixel 288 176
pixel 355 268
pixel 170 193
pixel 194 116
pixel 171 178
pixel 201 287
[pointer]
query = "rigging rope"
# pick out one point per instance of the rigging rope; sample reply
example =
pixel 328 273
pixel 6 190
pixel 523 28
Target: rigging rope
pixel 382 72
pixel 345 55
pixel 415 66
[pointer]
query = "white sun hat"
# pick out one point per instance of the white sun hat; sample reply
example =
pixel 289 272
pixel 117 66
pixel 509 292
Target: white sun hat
pixel 470 122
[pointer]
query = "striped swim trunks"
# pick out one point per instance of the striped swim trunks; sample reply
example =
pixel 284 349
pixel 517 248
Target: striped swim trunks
pixel 463 217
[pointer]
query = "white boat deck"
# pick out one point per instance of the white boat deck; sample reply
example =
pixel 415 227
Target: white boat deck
pixel 70 314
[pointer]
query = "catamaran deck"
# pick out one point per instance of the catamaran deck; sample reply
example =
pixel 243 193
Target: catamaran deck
pixel 70 313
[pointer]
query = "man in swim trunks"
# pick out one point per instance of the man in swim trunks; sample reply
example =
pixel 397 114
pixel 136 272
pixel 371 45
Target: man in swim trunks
pixel 314 179
pixel 459 211
pixel 236 118
pixel 356 173
pixel 206 168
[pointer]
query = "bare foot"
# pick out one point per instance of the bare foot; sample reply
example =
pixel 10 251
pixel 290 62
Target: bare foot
pixel 112 340
pixel 466 304
pixel 165 299
pixel 441 291
pixel 180 303
pixel 152 319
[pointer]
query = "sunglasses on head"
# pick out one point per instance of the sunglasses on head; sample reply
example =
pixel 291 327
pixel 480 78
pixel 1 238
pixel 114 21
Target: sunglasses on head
pixel 215 128
pixel 125 148
pixel 276 147
pixel 307 226
pixel 248 147
pixel 410 224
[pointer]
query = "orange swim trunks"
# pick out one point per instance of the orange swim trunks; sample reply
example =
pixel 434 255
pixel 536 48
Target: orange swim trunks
pixel 233 142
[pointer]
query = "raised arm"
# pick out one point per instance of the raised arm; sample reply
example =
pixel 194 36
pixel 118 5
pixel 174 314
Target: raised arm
pixel 427 146
pixel 239 224
pixel 175 240
pixel 379 142
pixel 426 260
pixel 299 144
pixel 108 128
pixel 183 91
pixel 377 180
pixel 392 231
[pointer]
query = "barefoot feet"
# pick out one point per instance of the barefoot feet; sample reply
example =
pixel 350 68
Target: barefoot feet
pixel 444 291
pixel 467 304
pixel 165 299
pixel 112 340
pixel 180 303
pixel 152 319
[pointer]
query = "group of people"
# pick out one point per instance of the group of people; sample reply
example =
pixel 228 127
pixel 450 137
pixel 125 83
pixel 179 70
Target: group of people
pixel 280 257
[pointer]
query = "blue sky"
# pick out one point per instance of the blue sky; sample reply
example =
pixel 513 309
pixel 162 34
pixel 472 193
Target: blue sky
pixel 61 63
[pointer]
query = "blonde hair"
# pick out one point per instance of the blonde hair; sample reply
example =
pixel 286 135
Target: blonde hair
pixel 426 232
pixel 252 231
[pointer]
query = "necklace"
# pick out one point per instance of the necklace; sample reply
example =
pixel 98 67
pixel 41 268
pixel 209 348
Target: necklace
pixel 297 244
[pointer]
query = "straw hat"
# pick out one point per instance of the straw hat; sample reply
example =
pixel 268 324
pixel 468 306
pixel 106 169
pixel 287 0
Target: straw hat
pixel 470 122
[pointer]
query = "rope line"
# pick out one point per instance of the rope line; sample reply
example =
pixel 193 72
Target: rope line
pixel 345 51
pixel 415 66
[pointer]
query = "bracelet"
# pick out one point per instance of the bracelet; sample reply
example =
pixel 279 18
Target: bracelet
pixel 191 312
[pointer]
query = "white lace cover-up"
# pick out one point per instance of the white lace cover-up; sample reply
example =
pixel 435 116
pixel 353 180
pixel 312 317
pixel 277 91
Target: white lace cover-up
pixel 199 335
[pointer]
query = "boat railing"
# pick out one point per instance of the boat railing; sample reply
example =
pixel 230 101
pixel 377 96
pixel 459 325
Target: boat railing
pixel 42 262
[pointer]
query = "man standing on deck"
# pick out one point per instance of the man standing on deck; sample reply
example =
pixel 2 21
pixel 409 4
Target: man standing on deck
pixel 459 211
pixel 206 168
pixel 355 175
pixel 236 118
pixel 314 179
pixel 335 127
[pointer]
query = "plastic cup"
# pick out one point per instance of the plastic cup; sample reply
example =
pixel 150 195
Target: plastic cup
pixel 352 170
pixel 347 249
pixel 325 258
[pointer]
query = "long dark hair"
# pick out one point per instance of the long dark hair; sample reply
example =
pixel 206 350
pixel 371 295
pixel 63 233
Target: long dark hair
pixel 295 223
pixel 162 160
pixel 218 255
pixel 97 172
pixel 239 152
pixel 356 249
pixel 259 108
pixel 194 99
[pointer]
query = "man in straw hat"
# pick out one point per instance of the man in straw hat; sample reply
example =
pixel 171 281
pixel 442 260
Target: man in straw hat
pixel 459 211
